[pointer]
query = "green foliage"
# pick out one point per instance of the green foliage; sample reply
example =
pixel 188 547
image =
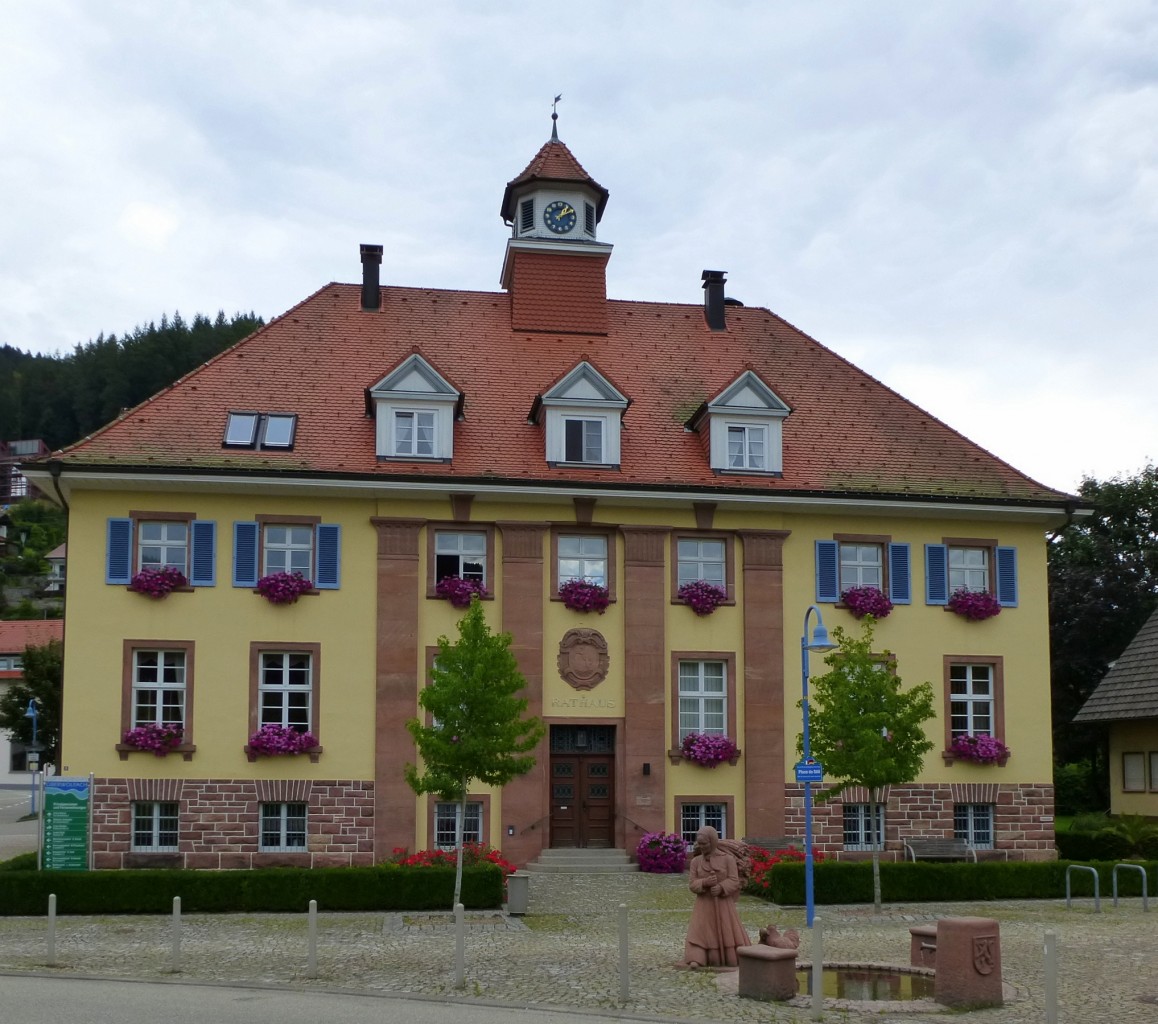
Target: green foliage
pixel 865 728
pixel 1103 584
pixel 1097 837
pixel 61 398
pixel 21 862
pixel 1075 788
pixel 477 729
pixel 268 890
pixel 43 675
pixel 35 528
pixel 924 882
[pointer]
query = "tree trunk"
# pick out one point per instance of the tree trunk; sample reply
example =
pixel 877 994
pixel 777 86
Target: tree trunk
pixel 877 842
pixel 459 824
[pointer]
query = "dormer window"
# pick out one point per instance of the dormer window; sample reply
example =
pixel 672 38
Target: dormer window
pixel 582 415
pixel 415 408
pixel 744 422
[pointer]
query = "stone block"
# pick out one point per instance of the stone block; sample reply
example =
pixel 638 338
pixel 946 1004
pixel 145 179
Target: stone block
pixel 923 945
pixel 968 962
pixel 767 972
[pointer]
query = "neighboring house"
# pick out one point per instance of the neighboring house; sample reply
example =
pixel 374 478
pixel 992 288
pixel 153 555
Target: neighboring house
pixel 379 439
pixel 14 485
pixel 1127 701
pixel 56 558
pixel 15 636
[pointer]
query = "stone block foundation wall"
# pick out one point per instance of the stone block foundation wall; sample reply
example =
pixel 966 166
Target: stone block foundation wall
pixel 220 820
pixel 1022 817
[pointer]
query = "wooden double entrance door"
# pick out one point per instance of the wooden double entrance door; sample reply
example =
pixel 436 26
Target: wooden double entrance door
pixel 583 786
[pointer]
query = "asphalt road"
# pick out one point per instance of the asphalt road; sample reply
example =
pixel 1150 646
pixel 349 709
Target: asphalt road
pixel 16 836
pixel 41 1000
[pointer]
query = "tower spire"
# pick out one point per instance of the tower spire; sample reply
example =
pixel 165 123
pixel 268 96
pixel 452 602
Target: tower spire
pixel 555 119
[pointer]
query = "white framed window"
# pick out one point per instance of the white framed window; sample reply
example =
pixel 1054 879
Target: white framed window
pixel 283 828
pixel 159 687
pixel 278 430
pixel 162 545
pixel 583 440
pixel 414 433
pixel 968 569
pixel 287 548
pixel 583 558
pixel 974 824
pixel 701 559
pixel 858 826
pixel 970 700
pixel 446 822
pixel 1133 772
pixel 460 554
pixel 156 826
pixel 694 817
pixel 10 662
pixel 747 447
pixel 861 565
pixel 241 429
pixel 285 689
pixel 260 430
pixel 703 698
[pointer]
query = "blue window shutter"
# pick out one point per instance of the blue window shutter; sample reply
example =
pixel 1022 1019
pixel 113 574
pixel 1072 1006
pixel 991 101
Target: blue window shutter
pixel 827 578
pixel 245 554
pixel 936 574
pixel 1007 577
pixel 119 552
pixel 900 574
pixel 203 557
pixel 328 543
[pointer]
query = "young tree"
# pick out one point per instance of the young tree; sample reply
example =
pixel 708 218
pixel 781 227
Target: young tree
pixel 43 674
pixel 477 729
pixel 865 729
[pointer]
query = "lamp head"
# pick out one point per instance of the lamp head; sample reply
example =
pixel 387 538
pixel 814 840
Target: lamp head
pixel 820 641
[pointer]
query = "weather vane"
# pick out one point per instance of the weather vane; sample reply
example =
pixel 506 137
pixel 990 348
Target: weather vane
pixel 555 118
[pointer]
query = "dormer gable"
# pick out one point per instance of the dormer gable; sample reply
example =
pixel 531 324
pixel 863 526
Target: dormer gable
pixel 744 423
pixel 414 409
pixel 582 414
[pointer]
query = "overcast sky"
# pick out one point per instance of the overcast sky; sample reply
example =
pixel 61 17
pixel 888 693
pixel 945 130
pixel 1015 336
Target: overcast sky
pixel 961 198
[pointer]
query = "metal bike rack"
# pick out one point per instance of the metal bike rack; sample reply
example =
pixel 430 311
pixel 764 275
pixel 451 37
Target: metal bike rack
pixel 1131 867
pixel 1097 892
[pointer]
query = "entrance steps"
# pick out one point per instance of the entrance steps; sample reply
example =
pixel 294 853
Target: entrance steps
pixel 582 862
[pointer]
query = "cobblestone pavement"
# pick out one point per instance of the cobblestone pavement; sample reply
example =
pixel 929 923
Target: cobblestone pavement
pixel 565 953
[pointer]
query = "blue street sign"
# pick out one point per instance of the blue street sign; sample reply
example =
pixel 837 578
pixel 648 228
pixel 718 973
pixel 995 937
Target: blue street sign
pixel 809 771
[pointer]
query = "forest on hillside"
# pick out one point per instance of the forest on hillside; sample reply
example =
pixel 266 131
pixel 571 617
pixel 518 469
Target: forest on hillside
pixel 62 398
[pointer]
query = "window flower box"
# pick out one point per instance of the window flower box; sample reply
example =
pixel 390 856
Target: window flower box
pixel 158 583
pixel 283 587
pixel 979 749
pixel 862 601
pixel 974 605
pixel 280 740
pixel 156 739
pixel 702 597
pixel 662 853
pixel 708 750
pixel 459 591
pixel 583 596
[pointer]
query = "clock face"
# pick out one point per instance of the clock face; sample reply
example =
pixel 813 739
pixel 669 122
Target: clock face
pixel 559 217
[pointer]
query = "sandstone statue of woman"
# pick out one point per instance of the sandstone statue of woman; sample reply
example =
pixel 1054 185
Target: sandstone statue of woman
pixel 715 929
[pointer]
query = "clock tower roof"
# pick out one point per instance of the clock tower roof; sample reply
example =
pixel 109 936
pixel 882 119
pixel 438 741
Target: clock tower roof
pixel 553 163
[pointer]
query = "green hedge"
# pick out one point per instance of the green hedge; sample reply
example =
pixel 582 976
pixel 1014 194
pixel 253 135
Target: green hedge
pixel 273 890
pixel 1105 844
pixel 922 882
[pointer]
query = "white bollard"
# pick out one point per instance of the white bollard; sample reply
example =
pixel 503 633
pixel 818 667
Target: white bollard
pixel 312 954
pixel 623 970
pixel 175 957
pixel 52 930
pixel 817 969
pixel 459 947
pixel 1051 978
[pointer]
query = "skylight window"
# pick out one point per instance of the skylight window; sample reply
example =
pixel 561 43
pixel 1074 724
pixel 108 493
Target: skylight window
pixel 260 430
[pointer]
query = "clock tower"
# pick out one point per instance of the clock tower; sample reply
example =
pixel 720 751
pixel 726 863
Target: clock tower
pixel 555 267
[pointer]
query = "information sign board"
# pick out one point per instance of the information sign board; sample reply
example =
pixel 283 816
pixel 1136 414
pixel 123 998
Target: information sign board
pixel 66 838
pixel 809 771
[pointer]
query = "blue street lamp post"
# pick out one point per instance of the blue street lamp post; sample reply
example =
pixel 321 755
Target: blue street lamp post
pixel 34 713
pixel 808 771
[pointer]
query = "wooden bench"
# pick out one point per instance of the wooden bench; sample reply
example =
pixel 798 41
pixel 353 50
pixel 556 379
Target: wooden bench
pixel 774 843
pixel 939 848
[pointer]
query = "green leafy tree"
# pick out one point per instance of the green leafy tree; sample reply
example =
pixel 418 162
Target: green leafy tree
pixel 866 730
pixel 1103 585
pixel 43 674
pixel 477 730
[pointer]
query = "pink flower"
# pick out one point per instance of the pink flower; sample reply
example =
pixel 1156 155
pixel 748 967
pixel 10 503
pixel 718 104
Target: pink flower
pixel 459 591
pixel 283 587
pixel 701 596
pixel 862 601
pixel 708 749
pixel 272 740
pixel 159 739
pixel 974 604
pixel 982 749
pixel 158 583
pixel 582 596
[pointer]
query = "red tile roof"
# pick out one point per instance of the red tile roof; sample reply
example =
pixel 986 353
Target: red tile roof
pixel 554 162
pixel 16 634
pixel 847 433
